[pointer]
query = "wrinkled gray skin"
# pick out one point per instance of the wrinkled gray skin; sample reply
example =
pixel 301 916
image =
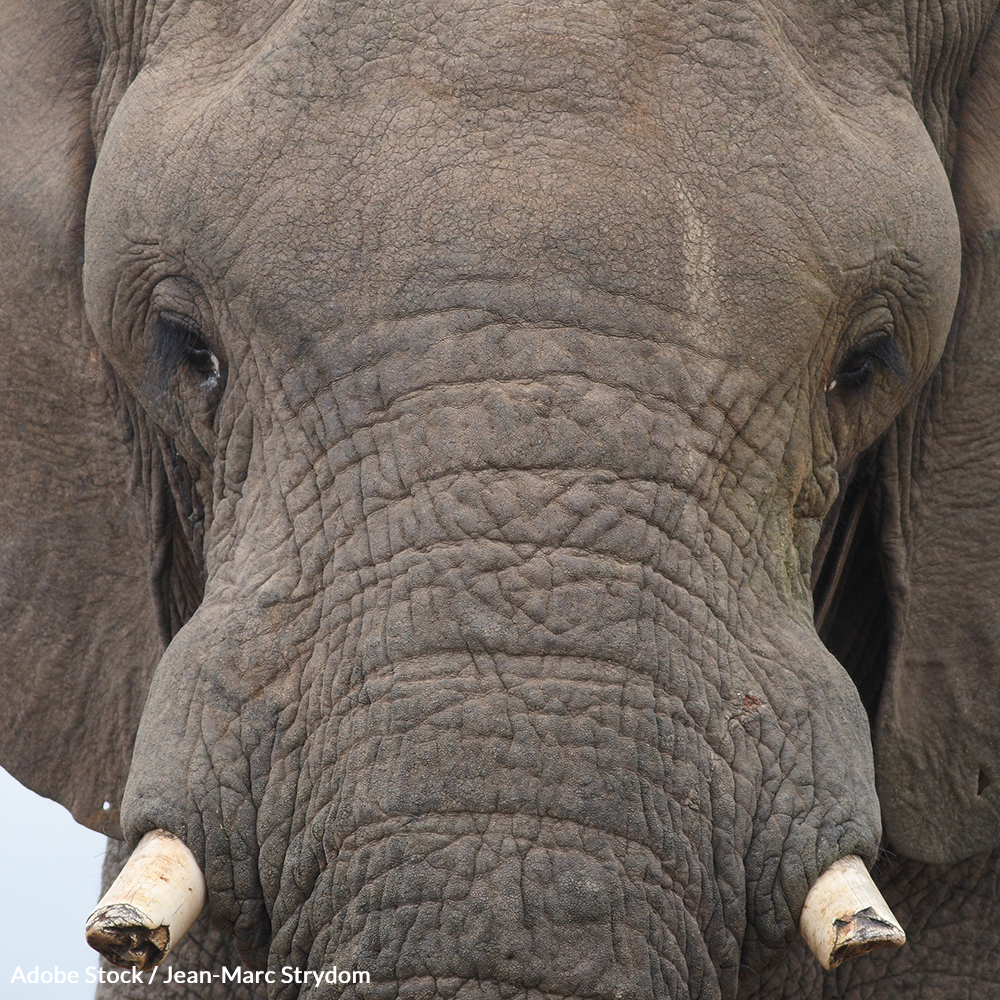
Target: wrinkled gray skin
pixel 425 424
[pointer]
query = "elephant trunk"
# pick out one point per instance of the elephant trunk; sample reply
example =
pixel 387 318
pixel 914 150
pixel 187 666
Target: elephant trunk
pixel 511 820
pixel 506 696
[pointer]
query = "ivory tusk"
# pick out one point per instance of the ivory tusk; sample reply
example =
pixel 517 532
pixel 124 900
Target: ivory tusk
pixel 152 904
pixel 845 916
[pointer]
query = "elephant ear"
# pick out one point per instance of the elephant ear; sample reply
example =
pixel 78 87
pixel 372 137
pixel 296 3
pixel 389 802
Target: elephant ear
pixel 78 627
pixel 937 733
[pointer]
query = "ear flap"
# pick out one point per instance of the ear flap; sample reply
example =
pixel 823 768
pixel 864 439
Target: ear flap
pixel 78 633
pixel 937 740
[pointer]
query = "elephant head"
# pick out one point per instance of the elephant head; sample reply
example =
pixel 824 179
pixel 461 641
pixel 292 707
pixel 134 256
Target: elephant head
pixel 425 426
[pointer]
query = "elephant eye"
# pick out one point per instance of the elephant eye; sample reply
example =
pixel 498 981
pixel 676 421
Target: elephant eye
pixel 875 354
pixel 178 344
pixel 853 375
pixel 186 368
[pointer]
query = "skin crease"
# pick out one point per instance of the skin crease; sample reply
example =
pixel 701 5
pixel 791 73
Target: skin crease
pixel 479 379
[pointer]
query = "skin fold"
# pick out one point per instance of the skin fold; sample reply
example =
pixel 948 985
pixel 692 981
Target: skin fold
pixel 431 423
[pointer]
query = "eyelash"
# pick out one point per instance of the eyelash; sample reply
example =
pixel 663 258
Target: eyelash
pixel 880 352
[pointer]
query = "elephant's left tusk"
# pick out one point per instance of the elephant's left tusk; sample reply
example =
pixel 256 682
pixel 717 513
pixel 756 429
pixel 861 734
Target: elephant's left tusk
pixel 151 905
pixel 845 916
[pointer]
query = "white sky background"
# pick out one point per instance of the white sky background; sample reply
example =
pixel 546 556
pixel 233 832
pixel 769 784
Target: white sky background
pixel 50 880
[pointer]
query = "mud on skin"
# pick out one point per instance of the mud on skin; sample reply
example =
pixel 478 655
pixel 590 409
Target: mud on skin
pixel 484 390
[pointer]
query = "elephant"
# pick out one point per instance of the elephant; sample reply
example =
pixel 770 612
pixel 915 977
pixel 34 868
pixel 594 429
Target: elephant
pixel 511 487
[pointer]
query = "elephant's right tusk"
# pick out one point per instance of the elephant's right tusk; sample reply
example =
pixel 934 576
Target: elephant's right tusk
pixel 151 905
pixel 845 916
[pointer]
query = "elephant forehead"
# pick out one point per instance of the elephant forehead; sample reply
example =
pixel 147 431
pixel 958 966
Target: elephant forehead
pixel 367 160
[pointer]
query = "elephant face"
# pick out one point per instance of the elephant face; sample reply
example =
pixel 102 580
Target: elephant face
pixel 473 385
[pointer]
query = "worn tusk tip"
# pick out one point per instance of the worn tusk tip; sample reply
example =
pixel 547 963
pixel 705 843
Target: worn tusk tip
pixel 152 904
pixel 845 916
pixel 121 934
pixel 864 932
